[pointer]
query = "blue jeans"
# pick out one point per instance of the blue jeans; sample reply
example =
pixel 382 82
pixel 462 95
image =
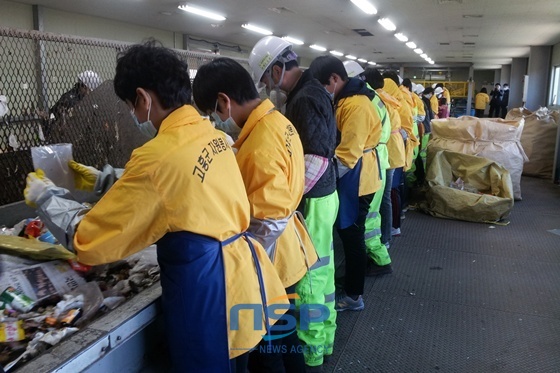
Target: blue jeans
pixel 386 210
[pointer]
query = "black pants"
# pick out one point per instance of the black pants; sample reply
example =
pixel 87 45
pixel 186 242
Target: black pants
pixel 282 355
pixel 479 113
pixel 354 245
pixel 504 111
pixel 494 111
pixel 239 364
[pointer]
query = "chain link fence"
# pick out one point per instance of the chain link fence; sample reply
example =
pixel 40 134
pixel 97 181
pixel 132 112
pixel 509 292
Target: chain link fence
pixel 47 105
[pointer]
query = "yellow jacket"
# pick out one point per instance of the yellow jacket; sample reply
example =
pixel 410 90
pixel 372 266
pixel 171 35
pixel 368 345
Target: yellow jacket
pixel 177 182
pixel 419 104
pixel 270 158
pixel 447 95
pixel 434 103
pixel 481 100
pixel 360 130
pixel 395 145
pixel 407 119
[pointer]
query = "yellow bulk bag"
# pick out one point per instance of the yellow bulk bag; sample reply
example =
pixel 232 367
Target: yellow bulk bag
pixel 493 200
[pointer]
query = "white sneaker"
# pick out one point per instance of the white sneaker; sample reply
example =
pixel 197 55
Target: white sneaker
pixel 395 231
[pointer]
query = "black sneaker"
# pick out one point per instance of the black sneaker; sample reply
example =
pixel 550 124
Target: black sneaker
pixel 316 369
pixel 375 270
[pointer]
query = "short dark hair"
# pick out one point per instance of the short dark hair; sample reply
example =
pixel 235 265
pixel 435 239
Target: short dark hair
pixel 222 75
pixel 374 78
pixel 408 84
pixel 156 68
pixel 497 84
pixel 439 85
pixel 323 67
pixel 483 90
pixel 428 91
pixel 506 85
pixel 393 76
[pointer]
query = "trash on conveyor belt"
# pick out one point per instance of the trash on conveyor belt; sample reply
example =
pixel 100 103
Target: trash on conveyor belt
pixel 43 301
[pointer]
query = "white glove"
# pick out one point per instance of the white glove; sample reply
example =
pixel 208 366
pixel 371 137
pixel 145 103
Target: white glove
pixel 37 184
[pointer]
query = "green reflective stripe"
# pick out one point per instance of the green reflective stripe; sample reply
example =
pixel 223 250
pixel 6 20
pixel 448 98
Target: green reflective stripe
pixel 321 263
pixel 372 215
pixel 372 233
pixel 330 297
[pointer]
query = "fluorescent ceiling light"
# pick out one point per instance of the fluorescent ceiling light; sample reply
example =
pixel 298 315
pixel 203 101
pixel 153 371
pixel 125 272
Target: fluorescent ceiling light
pixel 411 45
pixel 371 63
pixel 293 40
pixel 424 55
pixel 362 60
pixel 258 29
pixel 337 53
pixel 350 57
pixel 431 62
pixel 401 36
pixel 318 47
pixel 365 6
pixel 202 12
pixel 386 22
pixel 418 51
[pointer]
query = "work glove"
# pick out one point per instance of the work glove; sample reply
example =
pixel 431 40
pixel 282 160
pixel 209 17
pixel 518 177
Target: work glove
pixel 37 185
pixel 85 177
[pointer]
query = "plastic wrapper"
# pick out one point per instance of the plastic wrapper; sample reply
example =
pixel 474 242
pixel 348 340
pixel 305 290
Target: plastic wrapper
pixel 53 159
pixel 11 331
pixel 92 300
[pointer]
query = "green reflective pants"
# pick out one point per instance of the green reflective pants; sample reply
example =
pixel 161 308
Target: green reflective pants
pixel 376 250
pixel 317 286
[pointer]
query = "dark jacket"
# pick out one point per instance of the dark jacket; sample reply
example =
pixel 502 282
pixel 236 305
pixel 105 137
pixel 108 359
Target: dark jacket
pixel 355 87
pixel 429 115
pixel 505 98
pixel 496 97
pixel 310 110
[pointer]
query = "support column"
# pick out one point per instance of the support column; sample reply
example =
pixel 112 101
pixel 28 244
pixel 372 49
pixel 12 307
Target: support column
pixel 470 90
pixel 401 72
pixel 518 72
pixel 505 75
pixel 539 70
pixel 40 60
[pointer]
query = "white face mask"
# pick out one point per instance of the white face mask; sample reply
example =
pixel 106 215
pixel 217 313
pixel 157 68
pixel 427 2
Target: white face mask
pixel 146 128
pixel 278 98
pixel 228 126
pixel 331 94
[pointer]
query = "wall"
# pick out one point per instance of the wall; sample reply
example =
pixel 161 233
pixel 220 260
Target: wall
pixel 483 78
pixel 15 15
pixel 556 55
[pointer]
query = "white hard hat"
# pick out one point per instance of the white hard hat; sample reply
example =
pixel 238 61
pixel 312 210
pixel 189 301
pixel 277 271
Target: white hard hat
pixel 352 68
pixel 434 85
pixel 267 51
pixel 90 79
pixel 438 91
pixel 418 88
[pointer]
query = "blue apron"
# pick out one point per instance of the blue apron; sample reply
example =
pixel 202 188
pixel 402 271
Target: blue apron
pixel 194 300
pixel 348 187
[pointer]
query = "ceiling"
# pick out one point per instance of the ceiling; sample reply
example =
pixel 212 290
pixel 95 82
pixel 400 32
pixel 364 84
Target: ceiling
pixel 485 33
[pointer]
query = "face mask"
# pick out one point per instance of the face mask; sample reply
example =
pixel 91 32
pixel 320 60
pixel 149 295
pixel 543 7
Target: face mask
pixel 228 126
pixel 146 128
pixel 506 88
pixel 278 98
pixel 331 94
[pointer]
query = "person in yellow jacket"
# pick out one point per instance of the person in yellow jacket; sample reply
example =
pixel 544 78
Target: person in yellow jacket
pixel 396 149
pixel 480 101
pixel 419 115
pixel 270 157
pixel 172 192
pixel 447 97
pixel 358 169
pixel 434 101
